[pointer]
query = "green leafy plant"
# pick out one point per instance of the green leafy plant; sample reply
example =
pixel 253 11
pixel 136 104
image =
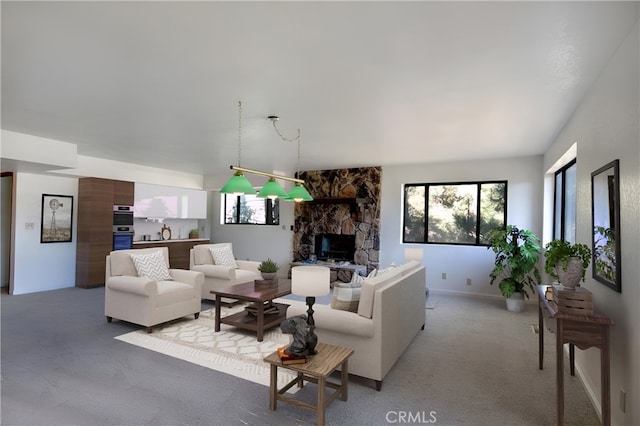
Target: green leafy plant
pixel 517 253
pixel 561 251
pixel 193 233
pixel 268 266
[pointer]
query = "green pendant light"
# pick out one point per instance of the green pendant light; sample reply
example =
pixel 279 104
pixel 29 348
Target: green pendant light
pixel 272 189
pixel 299 193
pixel 238 184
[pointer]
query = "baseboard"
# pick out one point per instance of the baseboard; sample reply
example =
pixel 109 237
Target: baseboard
pixel 597 404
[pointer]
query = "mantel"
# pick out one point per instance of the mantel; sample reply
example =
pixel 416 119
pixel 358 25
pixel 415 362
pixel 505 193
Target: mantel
pixel 340 200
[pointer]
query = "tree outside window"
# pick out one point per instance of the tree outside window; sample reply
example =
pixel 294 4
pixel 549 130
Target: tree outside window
pixel 453 213
pixel 250 209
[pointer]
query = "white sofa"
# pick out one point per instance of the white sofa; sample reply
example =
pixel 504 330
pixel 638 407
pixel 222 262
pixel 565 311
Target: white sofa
pixel 390 313
pixel 219 276
pixel 145 301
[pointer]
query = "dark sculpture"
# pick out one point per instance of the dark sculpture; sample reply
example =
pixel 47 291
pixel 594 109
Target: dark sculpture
pixel 304 339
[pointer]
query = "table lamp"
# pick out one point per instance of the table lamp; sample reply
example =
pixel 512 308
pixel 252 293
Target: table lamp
pixel 413 253
pixel 310 281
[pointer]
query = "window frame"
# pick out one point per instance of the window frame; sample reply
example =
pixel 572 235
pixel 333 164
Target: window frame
pixel 271 218
pixel 478 210
pixel 561 235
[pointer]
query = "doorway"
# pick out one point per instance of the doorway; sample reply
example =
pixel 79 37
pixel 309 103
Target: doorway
pixel 6 209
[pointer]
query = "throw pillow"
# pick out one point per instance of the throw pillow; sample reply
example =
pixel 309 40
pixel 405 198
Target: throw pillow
pixel 373 273
pixel 223 256
pixel 356 278
pixel 346 297
pixel 152 266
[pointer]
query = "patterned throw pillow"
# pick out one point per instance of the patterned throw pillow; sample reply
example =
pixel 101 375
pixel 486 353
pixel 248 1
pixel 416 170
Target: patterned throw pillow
pixel 346 297
pixel 356 278
pixel 152 266
pixel 223 256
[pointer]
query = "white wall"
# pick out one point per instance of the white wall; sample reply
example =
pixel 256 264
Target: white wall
pixel 524 198
pixel 40 267
pixel 606 127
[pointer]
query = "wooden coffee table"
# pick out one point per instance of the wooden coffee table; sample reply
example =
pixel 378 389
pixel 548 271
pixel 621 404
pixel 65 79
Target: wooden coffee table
pixel 258 295
pixel 316 370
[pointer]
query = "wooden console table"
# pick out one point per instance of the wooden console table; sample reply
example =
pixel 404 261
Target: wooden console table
pixel 583 331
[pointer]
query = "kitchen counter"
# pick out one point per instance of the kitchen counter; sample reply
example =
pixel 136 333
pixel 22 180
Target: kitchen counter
pixel 175 240
pixel 178 249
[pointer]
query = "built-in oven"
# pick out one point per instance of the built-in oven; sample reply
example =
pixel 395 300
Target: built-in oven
pixel 122 227
pixel 123 215
pixel 123 241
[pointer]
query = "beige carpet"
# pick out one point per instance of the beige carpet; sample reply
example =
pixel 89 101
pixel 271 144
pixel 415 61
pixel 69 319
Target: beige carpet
pixel 231 350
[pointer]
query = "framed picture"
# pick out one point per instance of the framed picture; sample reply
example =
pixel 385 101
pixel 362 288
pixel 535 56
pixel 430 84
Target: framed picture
pixel 57 218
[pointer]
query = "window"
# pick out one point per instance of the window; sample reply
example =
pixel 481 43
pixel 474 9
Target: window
pixel 250 209
pixel 453 213
pixel 564 206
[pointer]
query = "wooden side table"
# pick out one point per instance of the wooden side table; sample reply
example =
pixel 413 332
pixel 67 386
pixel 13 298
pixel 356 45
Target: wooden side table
pixel 316 370
pixel 583 331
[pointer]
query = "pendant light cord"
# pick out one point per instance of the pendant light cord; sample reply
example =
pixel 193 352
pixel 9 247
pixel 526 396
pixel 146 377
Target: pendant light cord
pixel 239 133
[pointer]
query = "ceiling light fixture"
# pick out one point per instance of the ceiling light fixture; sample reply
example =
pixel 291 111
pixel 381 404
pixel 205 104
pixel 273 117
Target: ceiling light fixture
pixel 238 184
pixel 272 189
pixel 298 192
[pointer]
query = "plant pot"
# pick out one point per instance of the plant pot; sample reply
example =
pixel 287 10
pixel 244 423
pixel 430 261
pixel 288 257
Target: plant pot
pixel 268 275
pixel 570 275
pixel 515 303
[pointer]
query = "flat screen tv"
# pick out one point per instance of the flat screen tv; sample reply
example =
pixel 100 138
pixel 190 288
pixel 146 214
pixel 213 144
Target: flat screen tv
pixel 335 246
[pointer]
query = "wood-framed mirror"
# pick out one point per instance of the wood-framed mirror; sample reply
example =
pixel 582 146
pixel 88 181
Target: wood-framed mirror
pixel 605 218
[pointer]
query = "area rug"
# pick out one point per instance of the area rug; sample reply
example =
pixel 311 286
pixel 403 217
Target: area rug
pixel 231 350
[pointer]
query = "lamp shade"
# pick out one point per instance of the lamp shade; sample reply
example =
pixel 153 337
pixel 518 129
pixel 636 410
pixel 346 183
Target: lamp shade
pixel 272 189
pixel 238 184
pixel 413 253
pixel 310 281
pixel 299 193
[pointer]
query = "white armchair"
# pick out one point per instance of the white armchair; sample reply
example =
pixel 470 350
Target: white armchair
pixel 156 295
pixel 225 272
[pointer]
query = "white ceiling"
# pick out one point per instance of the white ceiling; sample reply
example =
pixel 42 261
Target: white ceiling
pixel 368 83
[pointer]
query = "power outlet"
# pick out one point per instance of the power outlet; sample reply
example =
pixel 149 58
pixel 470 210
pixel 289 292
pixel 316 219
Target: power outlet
pixel 444 275
pixel 623 400
pixel 468 281
pixel 29 226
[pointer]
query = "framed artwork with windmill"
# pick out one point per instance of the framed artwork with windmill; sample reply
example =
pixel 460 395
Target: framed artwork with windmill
pixel 57 218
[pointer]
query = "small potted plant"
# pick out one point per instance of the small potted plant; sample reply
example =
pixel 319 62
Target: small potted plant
pixel 566 262
pixel 268 269
pixel 193 234
pixel 517 252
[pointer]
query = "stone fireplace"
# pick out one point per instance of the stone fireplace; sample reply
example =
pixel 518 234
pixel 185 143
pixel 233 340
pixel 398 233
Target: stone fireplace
pixel 347 202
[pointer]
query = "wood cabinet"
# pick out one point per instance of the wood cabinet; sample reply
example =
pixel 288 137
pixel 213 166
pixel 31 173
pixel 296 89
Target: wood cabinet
pixel 178 250
pixel 123 193
pixel 96 198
